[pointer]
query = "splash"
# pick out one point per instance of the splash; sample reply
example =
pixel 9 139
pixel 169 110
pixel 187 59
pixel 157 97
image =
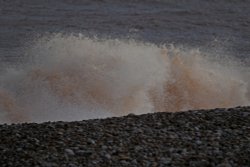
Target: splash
pixel 74 78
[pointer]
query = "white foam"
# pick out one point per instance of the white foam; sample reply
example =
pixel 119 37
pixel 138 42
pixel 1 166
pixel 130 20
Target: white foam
pixel 74 77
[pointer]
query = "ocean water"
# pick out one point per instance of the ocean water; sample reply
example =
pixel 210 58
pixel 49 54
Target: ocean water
pixel 73 60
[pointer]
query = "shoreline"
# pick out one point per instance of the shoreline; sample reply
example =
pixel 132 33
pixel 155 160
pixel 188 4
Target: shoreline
pixel 191 138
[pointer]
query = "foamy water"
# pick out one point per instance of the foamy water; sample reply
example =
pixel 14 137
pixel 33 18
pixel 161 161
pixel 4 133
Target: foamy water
pixel 69 77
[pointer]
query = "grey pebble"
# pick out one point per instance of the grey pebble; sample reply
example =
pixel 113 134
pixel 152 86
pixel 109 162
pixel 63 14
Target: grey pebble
pixel 69 152
pixel 200 138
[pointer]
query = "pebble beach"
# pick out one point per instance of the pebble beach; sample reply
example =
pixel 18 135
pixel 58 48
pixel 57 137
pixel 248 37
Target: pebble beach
pixel 217 137
pixel 97 83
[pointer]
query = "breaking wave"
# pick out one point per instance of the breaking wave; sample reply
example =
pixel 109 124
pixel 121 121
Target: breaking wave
pixel 74 77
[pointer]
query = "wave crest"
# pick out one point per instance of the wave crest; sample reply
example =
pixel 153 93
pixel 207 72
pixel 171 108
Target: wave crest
pixel 74 77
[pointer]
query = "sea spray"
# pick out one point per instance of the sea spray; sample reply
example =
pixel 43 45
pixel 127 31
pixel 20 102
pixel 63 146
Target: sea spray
pixel 68 77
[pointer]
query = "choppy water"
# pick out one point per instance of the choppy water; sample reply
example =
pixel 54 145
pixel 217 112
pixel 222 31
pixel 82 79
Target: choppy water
pixel 73 60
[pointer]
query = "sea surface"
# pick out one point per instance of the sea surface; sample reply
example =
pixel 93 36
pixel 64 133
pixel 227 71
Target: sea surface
pixel 82 59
